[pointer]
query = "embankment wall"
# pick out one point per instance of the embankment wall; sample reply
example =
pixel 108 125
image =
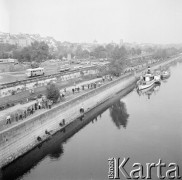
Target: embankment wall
pixel 22 137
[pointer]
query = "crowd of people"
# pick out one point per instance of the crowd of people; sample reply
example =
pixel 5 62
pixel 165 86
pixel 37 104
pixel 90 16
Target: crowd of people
pixel 44 103
pixel 41 103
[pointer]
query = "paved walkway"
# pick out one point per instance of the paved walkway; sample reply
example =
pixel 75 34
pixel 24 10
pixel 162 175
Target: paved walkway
pixel 69 96
pixel 22 96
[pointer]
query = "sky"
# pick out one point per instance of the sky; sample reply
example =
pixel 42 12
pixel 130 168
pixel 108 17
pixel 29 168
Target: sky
pixel 141 21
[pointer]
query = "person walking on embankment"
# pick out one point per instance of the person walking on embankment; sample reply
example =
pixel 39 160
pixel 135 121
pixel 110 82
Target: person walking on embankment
pixel 8 119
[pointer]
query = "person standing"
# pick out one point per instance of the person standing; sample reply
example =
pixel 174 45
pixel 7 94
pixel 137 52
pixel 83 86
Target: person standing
pixel 49 104
pixel 36 105
pixel 39 105
pixel 8 119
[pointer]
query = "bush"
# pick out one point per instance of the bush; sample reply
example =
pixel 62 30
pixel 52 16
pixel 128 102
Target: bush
pixel 52 92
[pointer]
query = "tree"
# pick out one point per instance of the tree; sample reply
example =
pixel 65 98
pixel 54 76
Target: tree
pixel 103 70
pixel 160 53
pixel 38 51
pixel 109 48
pixel 6 50
pixel 99 52
pixel 52 92
pixel 116 66
pixel 119 53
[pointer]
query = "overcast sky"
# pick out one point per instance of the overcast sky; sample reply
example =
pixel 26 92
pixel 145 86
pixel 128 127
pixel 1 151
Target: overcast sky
pixel 152 21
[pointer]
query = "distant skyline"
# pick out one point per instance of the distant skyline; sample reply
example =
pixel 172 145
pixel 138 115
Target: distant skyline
pixel 141 21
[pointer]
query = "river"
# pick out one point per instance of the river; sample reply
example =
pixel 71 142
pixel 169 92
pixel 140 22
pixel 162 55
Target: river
pixel 143 126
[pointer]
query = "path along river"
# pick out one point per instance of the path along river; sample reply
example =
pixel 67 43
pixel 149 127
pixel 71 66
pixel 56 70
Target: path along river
pixel 144 126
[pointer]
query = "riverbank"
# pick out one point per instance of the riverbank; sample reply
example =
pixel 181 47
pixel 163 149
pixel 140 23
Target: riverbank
pixel 21 138
pixel 20 107
pixel 54 142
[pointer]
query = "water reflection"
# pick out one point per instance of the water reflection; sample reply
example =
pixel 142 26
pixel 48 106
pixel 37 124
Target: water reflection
pixel 149 91
pixel 119 115
pixel 51 148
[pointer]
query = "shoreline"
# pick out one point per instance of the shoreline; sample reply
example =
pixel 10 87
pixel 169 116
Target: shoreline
pixel 23 136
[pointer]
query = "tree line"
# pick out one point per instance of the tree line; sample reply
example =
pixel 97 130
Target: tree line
pixel 40 51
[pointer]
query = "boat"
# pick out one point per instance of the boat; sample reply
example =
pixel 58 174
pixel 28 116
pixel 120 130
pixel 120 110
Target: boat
pixel 146 81
pixel 157 76
pixel 165 74
pixel 149 91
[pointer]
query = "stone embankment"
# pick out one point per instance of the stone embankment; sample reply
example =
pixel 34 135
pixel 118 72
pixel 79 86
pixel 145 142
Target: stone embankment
pixel 22 137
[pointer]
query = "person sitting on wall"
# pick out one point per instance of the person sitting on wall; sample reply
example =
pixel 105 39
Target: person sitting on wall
pixel 81 110
pixel 82 113
pixel 63 121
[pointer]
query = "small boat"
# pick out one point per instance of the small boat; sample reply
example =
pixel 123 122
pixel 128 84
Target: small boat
pixel 165 74
pixel 157 76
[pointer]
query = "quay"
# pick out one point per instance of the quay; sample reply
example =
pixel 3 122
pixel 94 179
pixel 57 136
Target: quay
pixel 27 134
pixel 22 137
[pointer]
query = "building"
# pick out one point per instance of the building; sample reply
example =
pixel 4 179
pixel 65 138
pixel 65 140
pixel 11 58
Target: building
pixel 7 64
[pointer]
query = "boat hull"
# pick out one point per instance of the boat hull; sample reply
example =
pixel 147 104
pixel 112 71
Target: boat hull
pixel 145 86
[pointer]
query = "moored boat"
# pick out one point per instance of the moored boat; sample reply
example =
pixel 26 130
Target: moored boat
pixel 157 76
pixel 149 79
pixel 146 81
pixel 165 74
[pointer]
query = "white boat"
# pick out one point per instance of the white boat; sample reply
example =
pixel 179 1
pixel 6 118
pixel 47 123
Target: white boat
pixel 157 76
pixel 146 81
pixel 165 74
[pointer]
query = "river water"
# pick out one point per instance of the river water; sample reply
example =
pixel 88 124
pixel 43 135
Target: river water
pixel 143 126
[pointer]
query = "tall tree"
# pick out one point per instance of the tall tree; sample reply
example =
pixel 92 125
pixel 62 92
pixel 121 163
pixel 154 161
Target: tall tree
pixel 38 51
